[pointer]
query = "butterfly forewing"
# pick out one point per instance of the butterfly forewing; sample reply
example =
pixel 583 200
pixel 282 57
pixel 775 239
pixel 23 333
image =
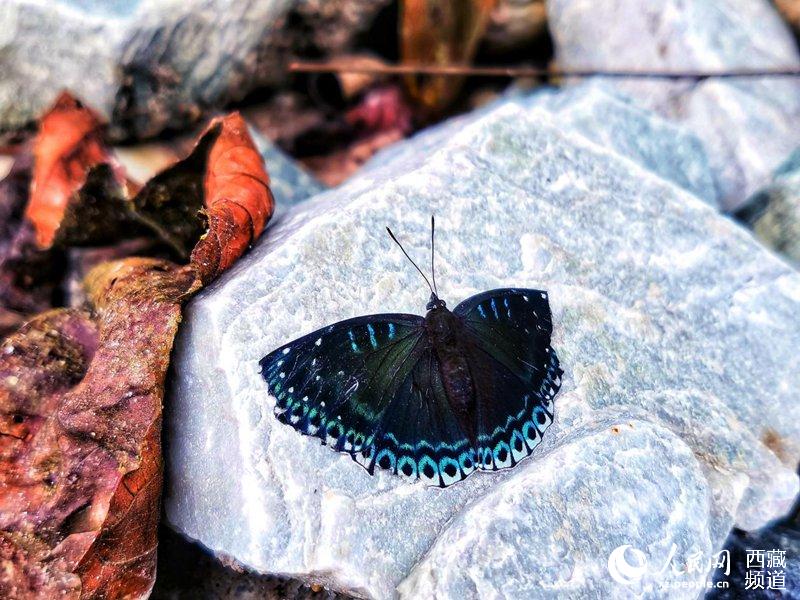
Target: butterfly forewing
pixel 516 373
pixel 337 383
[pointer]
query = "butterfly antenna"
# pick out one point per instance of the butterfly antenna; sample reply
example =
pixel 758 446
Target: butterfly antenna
pixel 391 235
pixel 433 271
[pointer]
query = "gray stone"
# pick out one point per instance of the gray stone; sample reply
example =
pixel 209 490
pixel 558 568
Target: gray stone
pixel 496 551
pixel 150 64
pixel 613 121
pixel 289 182
pixel 773 213
pixel 600 114
pixel 679 415
pixel 748 125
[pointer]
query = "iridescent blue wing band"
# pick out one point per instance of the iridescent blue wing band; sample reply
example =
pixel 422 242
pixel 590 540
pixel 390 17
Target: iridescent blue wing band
pixel 422 437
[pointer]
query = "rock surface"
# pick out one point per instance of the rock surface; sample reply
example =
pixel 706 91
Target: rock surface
pixel 748 126
pixel 603 116
pixel 613 120
pixel 150 64
pixel 773 213
pixel 678 417
pixel 289 182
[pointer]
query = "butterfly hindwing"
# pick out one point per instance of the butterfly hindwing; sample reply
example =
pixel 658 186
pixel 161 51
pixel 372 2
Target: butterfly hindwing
pixel 516 372
pixel 422 437
pixel 338 382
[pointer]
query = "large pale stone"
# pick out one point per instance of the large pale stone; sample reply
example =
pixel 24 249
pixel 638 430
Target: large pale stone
pixel 150 64
pixel 602 115
pixel 678 418
pixel 747 125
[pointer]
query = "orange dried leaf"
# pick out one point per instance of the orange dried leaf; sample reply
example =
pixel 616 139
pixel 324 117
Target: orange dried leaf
pixel 68 147
pixel 213 204
pixel 238 199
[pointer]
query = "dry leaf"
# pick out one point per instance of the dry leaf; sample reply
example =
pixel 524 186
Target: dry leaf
pixel 81 392
pixel 75 178
pixel 437 32
pixel 219 194
pixel 208 207
pixel 80 407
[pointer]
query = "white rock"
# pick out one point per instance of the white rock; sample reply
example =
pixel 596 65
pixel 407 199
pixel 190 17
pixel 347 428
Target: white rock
pixel 603 116
pixel 150 64
pixel 614 121
pixel 748 125
pixel 511 541
pixel 676 330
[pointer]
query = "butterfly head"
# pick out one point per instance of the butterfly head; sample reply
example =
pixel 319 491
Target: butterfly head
pixel 435 302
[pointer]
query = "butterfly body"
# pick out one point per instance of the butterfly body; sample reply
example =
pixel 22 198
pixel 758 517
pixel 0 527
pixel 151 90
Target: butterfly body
pixel 432 398
pixel 450 343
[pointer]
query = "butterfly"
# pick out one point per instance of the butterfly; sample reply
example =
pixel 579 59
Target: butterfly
pixel 433 398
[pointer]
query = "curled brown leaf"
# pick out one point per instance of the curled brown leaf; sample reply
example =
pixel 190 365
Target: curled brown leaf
pixel 212 205
pixel 70 156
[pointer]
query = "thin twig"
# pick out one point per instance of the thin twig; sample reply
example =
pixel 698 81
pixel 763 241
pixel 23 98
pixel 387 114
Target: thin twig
pixel 498 71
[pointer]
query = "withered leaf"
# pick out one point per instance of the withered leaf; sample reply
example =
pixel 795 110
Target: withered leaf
pixel 218 195
pixel 78 188
pixel 208 207
pixel 441 33
pixel 80 407
pixel 81 392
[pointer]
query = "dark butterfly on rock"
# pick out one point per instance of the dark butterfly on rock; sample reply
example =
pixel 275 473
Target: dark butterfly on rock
pixel 432 397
